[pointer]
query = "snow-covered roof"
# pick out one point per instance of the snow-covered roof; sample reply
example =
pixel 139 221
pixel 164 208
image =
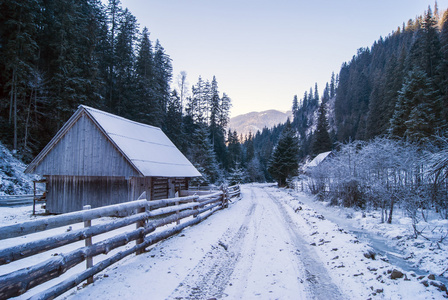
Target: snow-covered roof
pixel 318 159
pixel 146 148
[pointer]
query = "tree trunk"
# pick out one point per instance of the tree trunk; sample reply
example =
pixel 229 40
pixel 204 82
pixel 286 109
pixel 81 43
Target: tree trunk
pixel 25 140
pixel 11 104
pixel 15 120
pixel 392 202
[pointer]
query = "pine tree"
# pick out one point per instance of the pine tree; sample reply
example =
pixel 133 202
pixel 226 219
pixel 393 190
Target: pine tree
pixel 19 21
pixel 443 66
pixel 284 162
pixel 295 105
pixel 321 142
pixel 202 156
pixel 425 51
pixel 183 87
pixel 332 86
pixel 196 105
pixel 163 73
pixel 417 113
pixel 236 175
pixel 114 14
pixel 215 106
pixel 326 93
pixel 125 76
pixel 249 146
pixel 233 149
pixel 254 171
pixel 174 128
pixel 66 54
pixel 224 112
pixel 144 107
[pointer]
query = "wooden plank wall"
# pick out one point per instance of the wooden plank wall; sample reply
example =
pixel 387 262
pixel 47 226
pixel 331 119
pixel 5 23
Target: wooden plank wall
pixel 71 193
pixel 159 188
pixel 85 151
pixel 162 188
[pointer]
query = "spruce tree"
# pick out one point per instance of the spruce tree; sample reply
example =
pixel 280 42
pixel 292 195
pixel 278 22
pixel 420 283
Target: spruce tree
pixel 443 67
pixel 19 21
pixel 332 86
pixel 233 149
pixel 326 93
pixel 163 73
pixel 236 175
pixel 144 106
pixel 224 112
pixel 321 141
pixel 249 146
pixel 215 106
pixel 284 162
pixel 125 75
pixel 417 113
pixel 174 128
pixel 202 156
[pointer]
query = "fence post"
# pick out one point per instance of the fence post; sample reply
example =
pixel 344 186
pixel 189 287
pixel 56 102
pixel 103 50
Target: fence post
pixel 34 198
pixel 138 225
pixel 196 206
pixel 224 196
pixel 177 213
pixel 88 243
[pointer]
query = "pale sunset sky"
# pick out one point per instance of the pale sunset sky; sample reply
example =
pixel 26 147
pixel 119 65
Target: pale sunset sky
pixel 265 52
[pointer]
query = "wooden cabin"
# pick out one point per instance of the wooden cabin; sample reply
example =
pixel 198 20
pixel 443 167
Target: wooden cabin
pixel 320 158
pixel 99 159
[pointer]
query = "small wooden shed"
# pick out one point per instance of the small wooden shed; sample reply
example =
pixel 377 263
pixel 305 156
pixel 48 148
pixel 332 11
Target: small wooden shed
pixel 99 159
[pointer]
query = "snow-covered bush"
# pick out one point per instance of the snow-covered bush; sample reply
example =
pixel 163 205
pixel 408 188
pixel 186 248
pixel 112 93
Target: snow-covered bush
pixel 384 173
pixel 438 168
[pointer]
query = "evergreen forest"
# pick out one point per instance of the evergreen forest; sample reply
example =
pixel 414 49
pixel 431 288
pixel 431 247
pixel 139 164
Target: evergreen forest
pixel 56 55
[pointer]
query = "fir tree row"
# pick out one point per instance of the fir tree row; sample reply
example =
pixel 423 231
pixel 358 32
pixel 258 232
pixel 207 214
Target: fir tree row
pixel 56 55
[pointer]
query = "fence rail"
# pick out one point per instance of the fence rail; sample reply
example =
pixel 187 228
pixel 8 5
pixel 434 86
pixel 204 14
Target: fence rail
pixel 147 215
pixel 12 200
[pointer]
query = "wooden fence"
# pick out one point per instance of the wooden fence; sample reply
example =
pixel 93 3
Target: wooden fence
pixel 147 215
pixel 11 200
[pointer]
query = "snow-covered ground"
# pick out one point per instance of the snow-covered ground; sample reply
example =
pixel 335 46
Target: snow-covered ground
pixel 277 244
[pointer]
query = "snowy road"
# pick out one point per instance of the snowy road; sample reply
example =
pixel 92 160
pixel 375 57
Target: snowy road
pixel 265 257
pixel 258 248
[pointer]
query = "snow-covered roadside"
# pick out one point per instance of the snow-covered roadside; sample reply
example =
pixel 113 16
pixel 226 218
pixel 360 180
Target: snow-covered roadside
pixel 260 247
pixel 428 252
pixel 330 233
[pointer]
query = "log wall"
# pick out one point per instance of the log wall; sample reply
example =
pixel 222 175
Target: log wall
pixel 70 193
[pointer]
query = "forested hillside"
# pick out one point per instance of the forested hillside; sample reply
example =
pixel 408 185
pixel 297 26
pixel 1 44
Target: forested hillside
pixel 387 122
pixel 56 55
pixel 398 88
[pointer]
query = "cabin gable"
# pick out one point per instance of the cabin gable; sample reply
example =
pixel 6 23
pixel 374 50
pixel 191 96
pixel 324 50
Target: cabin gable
pixel 84 150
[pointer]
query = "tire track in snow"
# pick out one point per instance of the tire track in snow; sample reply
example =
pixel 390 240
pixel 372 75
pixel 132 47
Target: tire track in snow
pixel 316 274
pixel 211 275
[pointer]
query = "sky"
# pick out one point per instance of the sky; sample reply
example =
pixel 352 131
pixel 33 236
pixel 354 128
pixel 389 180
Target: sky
pixel 265 52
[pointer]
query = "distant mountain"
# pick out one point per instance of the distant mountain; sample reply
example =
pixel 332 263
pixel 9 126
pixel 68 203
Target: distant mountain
pixel 255 121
